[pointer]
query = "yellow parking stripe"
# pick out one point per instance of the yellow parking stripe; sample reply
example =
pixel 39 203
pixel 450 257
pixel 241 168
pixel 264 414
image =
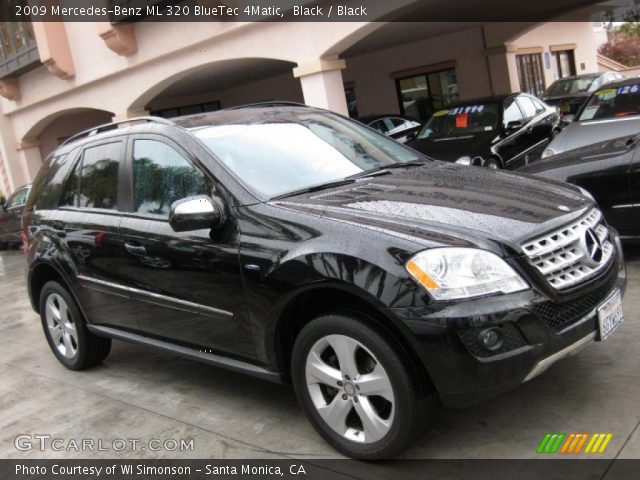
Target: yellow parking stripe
pixel 605 443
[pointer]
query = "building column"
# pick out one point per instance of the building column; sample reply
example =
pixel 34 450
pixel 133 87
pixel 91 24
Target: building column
pixel 503 71
pixel 29 162
pixel 322 84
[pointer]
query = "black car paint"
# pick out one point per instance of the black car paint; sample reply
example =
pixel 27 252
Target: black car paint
pixel 234 291
pixel 11 218
pixel 610 171
pixel 512 148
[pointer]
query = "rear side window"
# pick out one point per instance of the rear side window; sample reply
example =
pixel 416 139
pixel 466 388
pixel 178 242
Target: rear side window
pixel 528 107
pixel 161 175
pixel 94 181
pixel 48 185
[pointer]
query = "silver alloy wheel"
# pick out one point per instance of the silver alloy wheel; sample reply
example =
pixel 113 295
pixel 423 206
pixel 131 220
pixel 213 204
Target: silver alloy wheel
pixel 350 389
pixel 61 325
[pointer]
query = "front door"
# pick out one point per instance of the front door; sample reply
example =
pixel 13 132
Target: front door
pixel 186 287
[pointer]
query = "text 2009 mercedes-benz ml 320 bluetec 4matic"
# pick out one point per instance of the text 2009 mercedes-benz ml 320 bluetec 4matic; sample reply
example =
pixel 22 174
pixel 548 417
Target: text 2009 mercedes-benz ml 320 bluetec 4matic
pixel 293 244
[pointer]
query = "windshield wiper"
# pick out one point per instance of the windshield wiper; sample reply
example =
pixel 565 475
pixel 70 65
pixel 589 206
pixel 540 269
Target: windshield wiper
pixel 314 188
pixel 381 168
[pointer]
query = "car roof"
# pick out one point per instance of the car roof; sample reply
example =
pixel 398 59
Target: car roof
pixel 246 113
pixel 491 99
pixel 621 83
pixel 583 75
pixel 373 117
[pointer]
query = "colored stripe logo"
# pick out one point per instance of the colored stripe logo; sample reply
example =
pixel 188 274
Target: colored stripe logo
pixel 574 443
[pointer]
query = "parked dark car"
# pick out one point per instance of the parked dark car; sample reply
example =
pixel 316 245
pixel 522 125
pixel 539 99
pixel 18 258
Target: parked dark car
pixel 610 171
pixel 11 217
pixel 610 112
pixel 398 127
pixel 570 93
pixel 505 131
pixel 372 278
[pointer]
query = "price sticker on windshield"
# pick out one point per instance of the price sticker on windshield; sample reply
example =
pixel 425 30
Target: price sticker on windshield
pixel 462 120
pixel 628 89
pixel 606 94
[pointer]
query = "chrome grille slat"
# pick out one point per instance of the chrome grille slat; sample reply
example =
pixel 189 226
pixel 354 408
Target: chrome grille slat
pixel 560 257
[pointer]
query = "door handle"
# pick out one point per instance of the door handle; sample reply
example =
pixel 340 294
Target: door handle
pixel 134 249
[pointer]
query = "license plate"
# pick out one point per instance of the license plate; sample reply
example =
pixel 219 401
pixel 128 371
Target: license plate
pixel 610 315
pixel 565 108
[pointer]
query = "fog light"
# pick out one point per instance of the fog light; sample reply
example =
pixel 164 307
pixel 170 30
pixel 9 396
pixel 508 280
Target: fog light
pixel 490 339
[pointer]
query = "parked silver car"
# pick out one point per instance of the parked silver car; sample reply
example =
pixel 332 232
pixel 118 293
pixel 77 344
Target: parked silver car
pixel 612 111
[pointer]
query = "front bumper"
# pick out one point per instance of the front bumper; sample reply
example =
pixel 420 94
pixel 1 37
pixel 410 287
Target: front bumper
pixel 536 332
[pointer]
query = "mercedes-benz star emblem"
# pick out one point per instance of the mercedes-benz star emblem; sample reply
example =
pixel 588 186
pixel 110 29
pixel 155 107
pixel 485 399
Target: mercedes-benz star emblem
pixel 592 247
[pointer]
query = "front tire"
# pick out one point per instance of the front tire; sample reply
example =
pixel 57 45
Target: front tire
pixel 66 331
pixel 355 388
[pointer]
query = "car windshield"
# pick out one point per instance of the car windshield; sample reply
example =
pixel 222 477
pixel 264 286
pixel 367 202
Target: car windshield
pixel 613 103
pixel 461 120
pixel 284 152
pixel 572 86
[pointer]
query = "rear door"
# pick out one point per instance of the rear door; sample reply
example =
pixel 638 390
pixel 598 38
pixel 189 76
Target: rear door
pixel 186 287
pixel 87 226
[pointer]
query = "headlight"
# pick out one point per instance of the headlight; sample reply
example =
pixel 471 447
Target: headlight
pixel 464 161
pixel 548 153
pixel 449 273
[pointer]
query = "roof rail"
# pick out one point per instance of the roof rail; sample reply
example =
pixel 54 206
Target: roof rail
pixel 113 125
pixel 269 103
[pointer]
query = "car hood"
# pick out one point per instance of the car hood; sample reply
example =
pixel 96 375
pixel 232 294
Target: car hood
pixel 600 151
pixel 452 148
pixel 580 134
pixel 447 204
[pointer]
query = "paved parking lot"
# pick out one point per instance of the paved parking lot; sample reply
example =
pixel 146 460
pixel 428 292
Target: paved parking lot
pixel 139 394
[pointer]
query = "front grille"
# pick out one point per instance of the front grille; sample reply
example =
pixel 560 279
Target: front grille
pixel 559 316
pixel 511 337
pixel 562 256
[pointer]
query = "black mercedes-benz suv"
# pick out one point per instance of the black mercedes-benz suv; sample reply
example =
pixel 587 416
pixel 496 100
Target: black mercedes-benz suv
pixel 293 244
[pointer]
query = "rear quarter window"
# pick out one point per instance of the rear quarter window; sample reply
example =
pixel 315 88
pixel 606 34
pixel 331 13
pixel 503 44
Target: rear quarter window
pixel 47 186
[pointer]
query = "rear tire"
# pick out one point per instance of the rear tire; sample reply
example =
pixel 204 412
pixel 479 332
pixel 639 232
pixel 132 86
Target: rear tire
pixel 66 331
pixel 355 388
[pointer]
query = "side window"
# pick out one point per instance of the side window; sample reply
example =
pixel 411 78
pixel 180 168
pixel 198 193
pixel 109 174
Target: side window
pixel 69 197
pixel 527 106
pixel 161 175
pixel 539 106
pixel 512 112
pixel 99 176
pixel 48 185
pixel 379 125
pixel 18 198
pixel 94 180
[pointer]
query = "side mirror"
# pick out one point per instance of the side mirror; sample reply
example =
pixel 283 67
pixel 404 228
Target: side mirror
pixel 196 213
pixel 514 125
